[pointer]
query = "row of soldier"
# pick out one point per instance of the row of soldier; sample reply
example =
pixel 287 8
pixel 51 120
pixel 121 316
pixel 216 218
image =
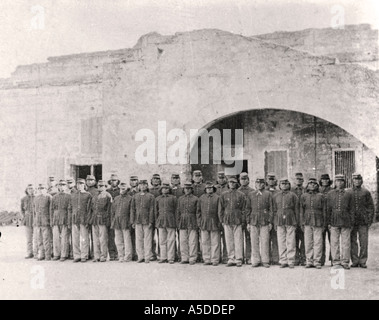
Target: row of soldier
pixel 227 222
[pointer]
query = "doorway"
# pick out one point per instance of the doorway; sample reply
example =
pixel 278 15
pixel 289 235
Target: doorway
pixel 83 171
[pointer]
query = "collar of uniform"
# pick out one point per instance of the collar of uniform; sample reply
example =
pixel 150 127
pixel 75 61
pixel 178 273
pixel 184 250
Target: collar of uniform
pixel 285 191
pixel 259 192
pixel 244 187
pixel 357 188
pixel 210 194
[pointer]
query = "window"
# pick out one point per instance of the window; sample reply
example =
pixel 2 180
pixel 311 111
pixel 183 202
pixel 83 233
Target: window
pixel 277 162
pixel 84 171
pixel 344 163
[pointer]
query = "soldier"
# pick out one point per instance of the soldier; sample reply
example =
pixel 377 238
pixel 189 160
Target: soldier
pixel 325 186
pixel 340 218
pixel 27 215
pixel 166 220
pixel 100 221
pixel 198 185
pixel 121 223
pixel 70 190
pixel 300 247
pixel 246 189
pixel 260 218
pixel 312 222
pixel 41 222
pixel 178 192
pixel 133 181
pixel 60 211
pixel 53 188
pixel 363 209
pixel 208 211
pixel 91 187
pixel 81 203
pixel 232 217
pixel 142 219
pixel 187 225
pixel 222 183
pixel 273 248
pixel 286 219
pixel 114 191
pixel 155 191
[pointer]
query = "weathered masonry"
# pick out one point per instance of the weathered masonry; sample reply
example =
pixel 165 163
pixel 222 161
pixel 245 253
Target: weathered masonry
pixel 307 101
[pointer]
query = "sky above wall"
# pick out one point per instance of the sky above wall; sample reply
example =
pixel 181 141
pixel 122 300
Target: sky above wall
pixel 32 30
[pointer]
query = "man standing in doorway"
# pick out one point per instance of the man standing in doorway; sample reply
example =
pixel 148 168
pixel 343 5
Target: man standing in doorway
pixel 300 247
pixel 114 191
pixel 274 251
pixel 325 186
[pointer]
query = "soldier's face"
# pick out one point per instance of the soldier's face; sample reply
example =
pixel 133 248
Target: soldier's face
pixel 244 181
pixel 209 190
pixel 114 183
pixel 143 187
pixel 80 186
pixel 71 184
pixel 284 186
pixel 102 187
pixel 165 190
pixel 156 181
pixel 187 190
pixel 340 184
pixel 197 178
pixel 90 182
pixel 271 182
pixel 259 185
pixel 325 182
pixel 30 191
pixel 53 183
pixel 123 188
pixel 175 181
pixel 134 183
pixel 42 190
pixel 299 181
pixel 221 180
pixel 312 186
pixel 357 182
pixel 232 185
pixel 63 187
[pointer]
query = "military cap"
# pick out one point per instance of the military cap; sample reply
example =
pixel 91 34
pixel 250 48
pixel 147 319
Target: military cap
pixel 30 185
pixel 80 180
pixel 233 179
pixel 284 180
pixel 325 176
pixel 260 180
pixel 356 175
pixel 188 184
pixel 197 173
pixel 221 174
pixel 244 175
pixel 90 177
pixel 101 183
pixel 114 177
pixel 123 184
pixel 340 177
pixel 175 175
pixel 156 175
pixel 143 181
pixel 209 184
pixel 62 182
pixel 298 175
pixel 70 180
pixel 42 186
pixel 271 175
pixel 133 177
pixel 51 178
pixel 312 180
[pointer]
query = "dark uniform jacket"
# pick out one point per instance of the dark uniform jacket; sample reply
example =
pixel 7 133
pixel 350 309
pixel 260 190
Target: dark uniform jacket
pixel 220 189
pixel 259 208
pixel 133 191
pixel 325 190
pixel 198 189
pixel 93 191
pixel 101 209
pixel 246 190
pixel 208 212
pixel 121 212
pixel 339 211
pixel 233 206
pixel 313 209
pixel 60 209
pixel 155 191
pixel 143 205
pixel 114 192
pixel 177 191
pixel 165 211
pixel 42 213
pixel 298 191
pixel 81 205
pixel 286 209
pixel 27 210
pixel 53 191
pixel 362 206
pixel 186 212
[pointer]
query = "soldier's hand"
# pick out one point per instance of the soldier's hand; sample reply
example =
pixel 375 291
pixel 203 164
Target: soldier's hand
pixel 275 227
pixel 269 227
pixel 302 228
pixel 329 227
pixel 150 225
pixel 248 226
pixel 133 226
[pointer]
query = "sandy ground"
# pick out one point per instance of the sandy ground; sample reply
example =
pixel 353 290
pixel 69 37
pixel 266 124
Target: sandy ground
pixel 20 278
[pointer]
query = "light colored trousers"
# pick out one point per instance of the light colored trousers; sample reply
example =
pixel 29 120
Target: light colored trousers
pixel 260 244
pixel 144 241
pixel 210 243
pixel 42 235
pixel 340 253
pixel 362 232
pixel 80 241
pixel 287 244
pixel 313 244
pixel 33 242
pixel 100 241
pixel 188 245
pixel 167 243
pixel 123 241
pixel 60 241
pixel 234 242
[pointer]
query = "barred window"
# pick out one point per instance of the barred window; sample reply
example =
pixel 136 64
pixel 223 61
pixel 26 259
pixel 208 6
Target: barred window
pixel 276 161
pixel 344 163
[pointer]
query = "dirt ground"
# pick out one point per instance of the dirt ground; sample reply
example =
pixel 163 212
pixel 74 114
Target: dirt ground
pixel 32 279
